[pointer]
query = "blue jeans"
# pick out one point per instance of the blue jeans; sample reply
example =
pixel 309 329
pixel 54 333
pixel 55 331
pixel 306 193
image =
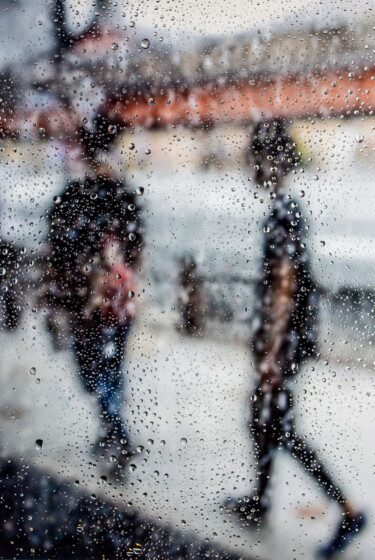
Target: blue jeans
pixel 100 355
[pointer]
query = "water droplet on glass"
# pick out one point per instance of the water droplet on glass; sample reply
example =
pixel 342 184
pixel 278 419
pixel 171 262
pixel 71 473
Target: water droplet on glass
pixel 183 441
pixel 140 191
pixel 301 194
pixel 114 46
pixel 145 43
pixel 359 138
pixel 39 444
pixel 33 371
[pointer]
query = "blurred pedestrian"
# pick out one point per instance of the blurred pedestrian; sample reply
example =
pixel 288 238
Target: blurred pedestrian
pixel 95 243
pixel 285 336
pixel 191 299
pixel 11 278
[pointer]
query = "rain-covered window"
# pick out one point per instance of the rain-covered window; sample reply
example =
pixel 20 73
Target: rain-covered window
pixel 186 279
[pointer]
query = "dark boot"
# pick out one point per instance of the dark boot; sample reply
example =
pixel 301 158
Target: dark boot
pixel 346 531
pixel 12 311
pixel 251 511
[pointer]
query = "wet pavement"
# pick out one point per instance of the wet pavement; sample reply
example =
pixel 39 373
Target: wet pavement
pixel 187 408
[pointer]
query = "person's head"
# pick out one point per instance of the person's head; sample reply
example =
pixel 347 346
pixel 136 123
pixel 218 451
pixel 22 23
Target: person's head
pixel 97 140
pixel 272 153
pixel 188 264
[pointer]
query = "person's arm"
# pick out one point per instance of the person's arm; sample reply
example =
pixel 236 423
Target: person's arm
pixel 285 288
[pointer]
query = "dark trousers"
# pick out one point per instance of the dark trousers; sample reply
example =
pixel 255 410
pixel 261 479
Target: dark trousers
pixel 273 429
pixel 100 355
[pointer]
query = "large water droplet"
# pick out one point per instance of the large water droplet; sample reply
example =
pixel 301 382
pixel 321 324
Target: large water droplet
pixel 145 43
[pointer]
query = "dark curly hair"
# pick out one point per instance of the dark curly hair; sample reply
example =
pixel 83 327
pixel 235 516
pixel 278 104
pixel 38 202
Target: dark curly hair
pixel 100 138
pixel 270 140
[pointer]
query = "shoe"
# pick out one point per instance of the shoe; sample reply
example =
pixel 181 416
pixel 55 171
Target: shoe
pixel 118 462
pixel 347 530
pixel 251 511
pixel 111 439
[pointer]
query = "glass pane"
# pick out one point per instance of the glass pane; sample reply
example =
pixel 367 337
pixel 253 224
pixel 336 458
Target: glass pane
pixel 186 288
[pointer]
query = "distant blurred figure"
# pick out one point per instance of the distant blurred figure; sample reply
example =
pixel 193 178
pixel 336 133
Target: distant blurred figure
pixel 11 261
pixel 191 299
pixel 95 244
pixel 284 337
pixel 10 290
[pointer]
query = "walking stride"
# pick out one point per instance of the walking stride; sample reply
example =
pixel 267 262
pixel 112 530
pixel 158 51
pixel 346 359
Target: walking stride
pixel 284 338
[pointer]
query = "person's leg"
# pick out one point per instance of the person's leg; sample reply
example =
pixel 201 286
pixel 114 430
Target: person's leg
pixel 110 388
pixel 264 429
pixel 88 351
pixel 352 520
pixel 87 354
pixel 301 450
pixel 309 459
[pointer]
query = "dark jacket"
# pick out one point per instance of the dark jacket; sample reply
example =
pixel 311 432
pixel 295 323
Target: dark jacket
pixel 85 215
pixel 285 234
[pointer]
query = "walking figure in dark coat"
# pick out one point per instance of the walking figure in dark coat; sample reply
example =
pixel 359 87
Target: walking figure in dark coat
pixel 95 244
pixel 11 276
pixel 284 337
pixel 191 298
